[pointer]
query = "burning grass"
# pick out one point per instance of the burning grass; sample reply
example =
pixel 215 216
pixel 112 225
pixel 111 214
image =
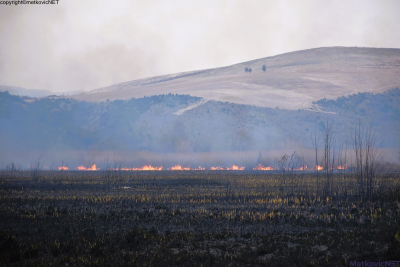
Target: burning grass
pixel 199 218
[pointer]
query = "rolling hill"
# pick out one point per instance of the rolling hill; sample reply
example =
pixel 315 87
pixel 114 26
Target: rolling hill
pixel 291 81
pixel 223 115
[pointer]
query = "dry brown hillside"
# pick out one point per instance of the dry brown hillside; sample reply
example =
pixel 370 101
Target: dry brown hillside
pixel 291 81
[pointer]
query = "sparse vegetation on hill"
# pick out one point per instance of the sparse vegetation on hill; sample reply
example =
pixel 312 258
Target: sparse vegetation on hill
pixel 264 68
pixel 377 107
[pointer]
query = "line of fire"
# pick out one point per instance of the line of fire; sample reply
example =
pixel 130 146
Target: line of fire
pixel 259 167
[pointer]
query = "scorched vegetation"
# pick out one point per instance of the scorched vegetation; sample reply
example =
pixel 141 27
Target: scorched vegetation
pixel 195 218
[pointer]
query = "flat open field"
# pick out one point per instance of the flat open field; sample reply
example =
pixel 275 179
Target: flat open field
pixel 195 218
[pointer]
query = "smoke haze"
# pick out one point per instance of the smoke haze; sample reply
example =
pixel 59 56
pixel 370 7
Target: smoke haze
pixel 84 45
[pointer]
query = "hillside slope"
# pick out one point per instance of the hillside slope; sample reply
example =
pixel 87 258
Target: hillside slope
pixel 181 123
pixel 291 81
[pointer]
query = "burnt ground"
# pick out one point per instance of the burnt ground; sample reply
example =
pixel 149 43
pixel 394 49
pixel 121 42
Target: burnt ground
pixel 194 218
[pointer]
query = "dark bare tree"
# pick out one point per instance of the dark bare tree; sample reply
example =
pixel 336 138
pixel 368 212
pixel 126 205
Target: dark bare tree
pixel 328 157
pixel 293 162
pixel 366 152
pixel 36 168
pixel 316 144
pixel 342 162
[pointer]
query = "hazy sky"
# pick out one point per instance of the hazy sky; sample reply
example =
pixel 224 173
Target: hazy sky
pixel 84 45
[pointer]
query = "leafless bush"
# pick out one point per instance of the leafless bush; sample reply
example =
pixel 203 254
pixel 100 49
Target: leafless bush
pixel 112 172
pixel 366 152
pixel 107 173
pixel 316 143
pixel 329 158
pixel 293 162
pixel 282 167
pixel 36 168
pixel 11 167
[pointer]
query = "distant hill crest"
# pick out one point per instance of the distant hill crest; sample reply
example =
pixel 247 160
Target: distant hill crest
pixel 290 81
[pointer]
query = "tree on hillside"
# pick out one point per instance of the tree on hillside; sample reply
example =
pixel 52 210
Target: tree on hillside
pixel 264 68
pixel 248 69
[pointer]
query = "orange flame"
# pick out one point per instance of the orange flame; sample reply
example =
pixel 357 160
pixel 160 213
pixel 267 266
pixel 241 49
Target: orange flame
pixel 342 167
pixel 148 168
pixel 302 168
pixel 93 168
pixel 62 168
pixel 199 169
pixel 179 168
pixel 260 167
pixel 235 168
pixel 217 168
pixel 144 168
